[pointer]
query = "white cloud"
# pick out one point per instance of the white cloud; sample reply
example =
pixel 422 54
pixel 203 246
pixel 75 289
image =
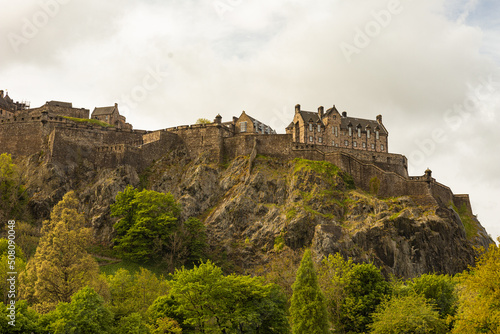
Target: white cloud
pixel 264 57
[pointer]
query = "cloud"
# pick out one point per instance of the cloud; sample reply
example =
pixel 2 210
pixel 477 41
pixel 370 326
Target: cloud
pixel 414 66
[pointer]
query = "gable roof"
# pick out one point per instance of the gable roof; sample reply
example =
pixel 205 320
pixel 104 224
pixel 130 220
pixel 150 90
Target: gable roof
pixel 363 123
pixel 308 116
pixel 103 111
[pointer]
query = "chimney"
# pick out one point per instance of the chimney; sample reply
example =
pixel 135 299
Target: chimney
pixel 344 113
pixel 1 93
pixel 235 119
pixel 321 111
pixel 297 108
pixel 379 119
pixel 116 105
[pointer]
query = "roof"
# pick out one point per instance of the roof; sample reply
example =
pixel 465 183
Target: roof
pixel 363 123
pixel 308 116
pixel 60 104
pixel 290 126
pixel 103 111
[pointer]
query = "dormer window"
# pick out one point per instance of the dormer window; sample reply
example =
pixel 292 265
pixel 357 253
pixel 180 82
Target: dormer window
pixel 319 128
pixel 243 127
pixel 350 131
pixel 368 133
pixel 359 132
pixel 310 127
pixel 377 134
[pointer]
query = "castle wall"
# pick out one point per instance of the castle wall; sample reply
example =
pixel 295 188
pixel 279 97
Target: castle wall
pixel 21 138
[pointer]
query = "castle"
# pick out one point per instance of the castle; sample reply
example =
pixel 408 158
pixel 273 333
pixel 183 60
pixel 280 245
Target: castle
pixel 358 146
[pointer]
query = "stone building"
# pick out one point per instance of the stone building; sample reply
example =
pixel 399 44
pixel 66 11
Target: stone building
pixel 112 116
pixel 331 128
pixel 8 107
pixel 246 124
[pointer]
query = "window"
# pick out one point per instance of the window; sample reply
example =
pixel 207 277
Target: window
pixel 319 128
pixel 346 143
pixel 333 142
pixel 334 117
pixel 355 144
pixel 310 127
pixel 364 145
pixel 373 146
pixel 350 131
pixel 320 139
pixel 381 147
pixel 243 126
pixel 335 131
pixel 368 133
pixel 359 132
pixel 310 138
pixel 377 134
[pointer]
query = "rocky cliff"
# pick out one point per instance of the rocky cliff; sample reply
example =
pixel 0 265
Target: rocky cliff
pixel 253 206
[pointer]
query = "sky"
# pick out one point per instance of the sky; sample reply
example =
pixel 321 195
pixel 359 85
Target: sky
pixel 430 67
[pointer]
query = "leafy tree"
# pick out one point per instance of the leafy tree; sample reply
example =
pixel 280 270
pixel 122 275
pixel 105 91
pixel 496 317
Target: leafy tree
pixel 61 265
pixel 165 325
pixel 196 240
pixel 134 293
pixel 212 302
pixel 479 296
pixel 439 290
pixel 132 324
pixel 13 197
pixel 166 307
pixel 308 312
pixel 147 221
pixel 353 292
pixel 17 260
pixel 407 314
pixel 26 320
pixel 203 121
pixel 86 314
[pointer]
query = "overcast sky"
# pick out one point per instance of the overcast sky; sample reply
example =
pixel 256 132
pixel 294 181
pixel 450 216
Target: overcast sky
pixel 430 67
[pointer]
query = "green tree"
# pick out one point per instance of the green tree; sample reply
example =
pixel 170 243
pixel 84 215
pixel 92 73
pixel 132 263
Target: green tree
pixel 212 302
pixel 86 314
pixel 8 259
pixel 26 319
pixel 407 314
pixel 203 121
pixel 147 221
pixel 132 324
pixel 134 293
pixel 479 296
pixel 13 196
pixel 439 290
pixel 353 291
pixel 61 265
pixel 307 310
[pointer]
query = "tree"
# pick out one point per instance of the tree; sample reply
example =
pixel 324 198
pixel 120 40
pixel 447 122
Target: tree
pixel 439 290
pixel 61 265
pixel 353 291
pixel 307 311
pixel 13 197
pixel 6 257
pixel 147 220
pixel 212 302
pixel 134 293
pixel 26 319
pixel 407 314
pixel 203 121
pixel 86 314
pixel 132 324
pixel 479 296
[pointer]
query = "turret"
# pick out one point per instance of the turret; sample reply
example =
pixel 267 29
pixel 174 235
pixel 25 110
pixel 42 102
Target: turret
pixel 218 119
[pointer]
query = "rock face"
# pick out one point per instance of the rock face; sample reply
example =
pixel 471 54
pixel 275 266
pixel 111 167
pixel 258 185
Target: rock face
pixel 253 206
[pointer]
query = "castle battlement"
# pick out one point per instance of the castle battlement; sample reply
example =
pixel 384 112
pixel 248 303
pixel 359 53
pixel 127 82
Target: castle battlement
pixel 358 146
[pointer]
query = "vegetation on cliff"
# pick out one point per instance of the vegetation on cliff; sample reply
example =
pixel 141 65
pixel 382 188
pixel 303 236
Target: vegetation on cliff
pixel 241 230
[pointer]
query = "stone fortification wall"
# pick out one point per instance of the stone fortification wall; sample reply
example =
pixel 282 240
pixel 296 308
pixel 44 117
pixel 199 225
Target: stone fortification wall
pixel 203 139
pixel 275 145
pixel 59 111
pixel 21 138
